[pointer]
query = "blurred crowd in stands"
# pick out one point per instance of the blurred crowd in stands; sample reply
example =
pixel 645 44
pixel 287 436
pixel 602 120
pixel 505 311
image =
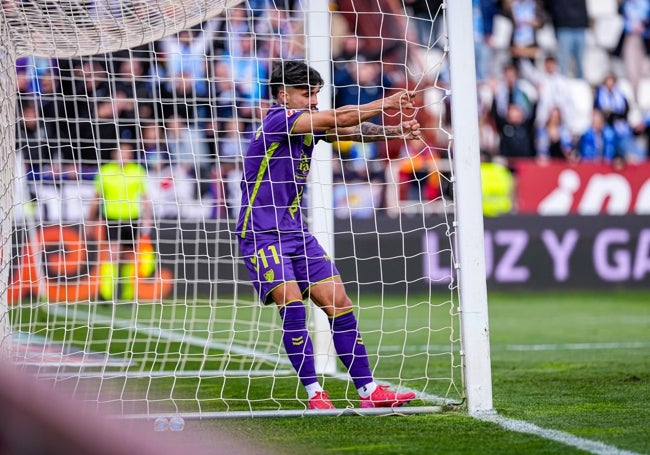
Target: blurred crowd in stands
pixel 557 80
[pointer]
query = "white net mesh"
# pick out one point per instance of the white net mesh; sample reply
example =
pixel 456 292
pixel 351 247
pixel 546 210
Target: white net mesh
pixel 175 325
pixel 60 28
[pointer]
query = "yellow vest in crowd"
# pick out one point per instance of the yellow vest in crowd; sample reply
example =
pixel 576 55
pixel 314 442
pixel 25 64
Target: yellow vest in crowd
pixel 123 189
pixel 497 184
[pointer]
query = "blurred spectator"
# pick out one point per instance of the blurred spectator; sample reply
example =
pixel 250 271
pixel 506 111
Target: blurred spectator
pixel 553 91
pixel 132 78
pixel 34 165
pixel 224 95
pixel 52 111
pixel 497 185
pixel 250 74
pixel 153 146
pixel 96 128
pixel 189 151
pixel 418 172
pixel 348 52
pixel 356 159
pixel 231 142
pixel 186 55
pixel 167 187
pixel 570 22
pixel 527 17
pixel 237 24
pixel 281 34
pixel 483 15
pixel 513 89
pixel 178 98
pixel 516 137
pixel 598 143
pixel 32 140
pixel 554 140
pixel 634 44
pixel 24 84
pixel 359 83
pixel 426 16
pixel 614 105
pixel 30 69
pixel 488 135
pixel 381 28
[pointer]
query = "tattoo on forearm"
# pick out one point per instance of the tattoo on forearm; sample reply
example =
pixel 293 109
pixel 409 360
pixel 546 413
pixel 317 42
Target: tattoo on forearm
pixel 370 129
pixel 369 132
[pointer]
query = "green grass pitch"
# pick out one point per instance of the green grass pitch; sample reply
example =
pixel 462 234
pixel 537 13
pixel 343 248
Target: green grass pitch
pixel 575 362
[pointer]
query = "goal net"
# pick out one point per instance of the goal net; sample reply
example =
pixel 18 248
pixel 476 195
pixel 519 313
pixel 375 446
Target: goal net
pixel 168 322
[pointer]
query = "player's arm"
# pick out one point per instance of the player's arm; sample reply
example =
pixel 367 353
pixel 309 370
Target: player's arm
pixel 147 212
pixel 93 211
pixel 370 132
pixel 348 116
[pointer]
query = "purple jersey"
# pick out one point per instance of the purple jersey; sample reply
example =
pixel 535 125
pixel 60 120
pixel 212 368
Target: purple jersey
pixel 276 167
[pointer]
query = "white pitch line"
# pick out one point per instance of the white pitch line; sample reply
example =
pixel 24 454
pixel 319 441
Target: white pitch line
pixel 441 348
pixel 576 346
pixel 521 426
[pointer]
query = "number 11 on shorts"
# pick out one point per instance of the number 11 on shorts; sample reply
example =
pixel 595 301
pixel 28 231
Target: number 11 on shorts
pixel 262 257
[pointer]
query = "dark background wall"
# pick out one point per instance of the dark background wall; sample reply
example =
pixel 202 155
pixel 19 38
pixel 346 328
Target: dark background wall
pixel 414 253
pixel 387 254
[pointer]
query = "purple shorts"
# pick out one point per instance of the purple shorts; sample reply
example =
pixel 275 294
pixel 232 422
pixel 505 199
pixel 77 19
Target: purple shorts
pixel 274 259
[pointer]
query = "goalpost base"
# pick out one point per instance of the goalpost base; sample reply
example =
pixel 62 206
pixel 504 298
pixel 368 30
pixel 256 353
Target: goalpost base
pixel 401 411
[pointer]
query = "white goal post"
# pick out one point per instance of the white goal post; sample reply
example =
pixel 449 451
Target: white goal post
pixel 471 249
pixel 171 325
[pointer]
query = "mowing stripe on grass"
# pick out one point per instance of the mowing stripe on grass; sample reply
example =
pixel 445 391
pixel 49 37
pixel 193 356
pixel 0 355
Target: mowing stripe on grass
pixel 198 341
pixel 169 335
pixel 562 437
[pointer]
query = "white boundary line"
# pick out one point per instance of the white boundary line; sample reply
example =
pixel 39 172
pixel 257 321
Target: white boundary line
pixel 521 426
pixel 577 346
pixel 526 347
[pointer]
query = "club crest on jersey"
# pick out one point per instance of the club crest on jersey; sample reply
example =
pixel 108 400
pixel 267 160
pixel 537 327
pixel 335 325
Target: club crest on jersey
pixel 290 112
pixel 269 275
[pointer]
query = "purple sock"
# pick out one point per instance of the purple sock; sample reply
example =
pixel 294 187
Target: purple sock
pixel 350 348
pixel 297 342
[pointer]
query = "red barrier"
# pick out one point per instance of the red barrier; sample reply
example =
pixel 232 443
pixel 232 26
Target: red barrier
pixel 64 251
pixel 560 188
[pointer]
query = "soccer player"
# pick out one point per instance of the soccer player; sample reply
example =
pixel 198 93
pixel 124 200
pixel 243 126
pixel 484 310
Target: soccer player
pixel 285 261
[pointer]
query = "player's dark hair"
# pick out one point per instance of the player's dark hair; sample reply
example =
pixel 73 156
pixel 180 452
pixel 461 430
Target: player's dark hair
pixel 293 73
